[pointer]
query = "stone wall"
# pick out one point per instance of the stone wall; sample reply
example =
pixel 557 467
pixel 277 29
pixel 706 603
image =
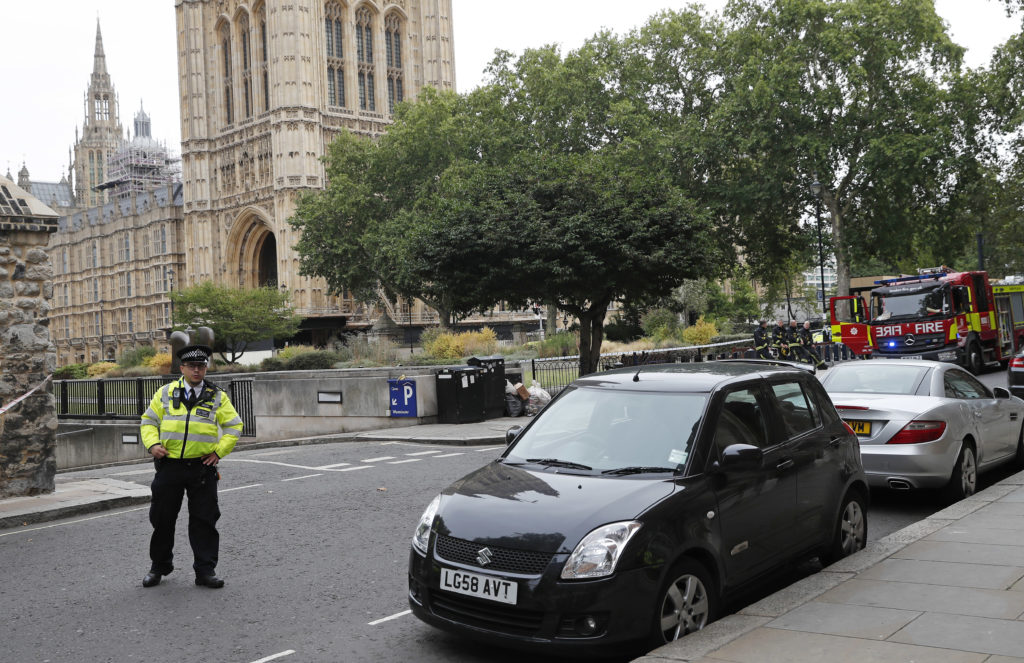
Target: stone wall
pixel 27 358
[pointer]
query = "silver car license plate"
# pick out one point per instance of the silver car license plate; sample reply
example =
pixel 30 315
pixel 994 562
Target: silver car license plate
pixel 480 586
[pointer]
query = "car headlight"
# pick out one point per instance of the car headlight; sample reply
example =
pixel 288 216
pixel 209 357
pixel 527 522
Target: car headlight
pixel 598 552
pixel 421 537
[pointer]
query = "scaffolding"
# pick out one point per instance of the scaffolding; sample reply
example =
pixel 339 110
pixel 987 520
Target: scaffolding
pixel 141 164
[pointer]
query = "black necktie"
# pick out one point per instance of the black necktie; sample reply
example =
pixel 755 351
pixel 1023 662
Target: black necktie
pixel 190 398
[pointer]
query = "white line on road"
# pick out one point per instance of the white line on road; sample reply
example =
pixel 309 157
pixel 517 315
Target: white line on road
pixel 489 449
pixel 409 460
pixel 357 467
pixel 72 522
pixel 272 453
pixel 333 465
pixel 251 485
pixel 460 453
pixel 148 470
pixel 376 460
pixel 287 652
pixel 267 462
pixel 305 476
pixel 424 453
pixel 386 619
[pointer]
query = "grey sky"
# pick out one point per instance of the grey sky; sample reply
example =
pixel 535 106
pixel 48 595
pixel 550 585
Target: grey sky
pixel 47 47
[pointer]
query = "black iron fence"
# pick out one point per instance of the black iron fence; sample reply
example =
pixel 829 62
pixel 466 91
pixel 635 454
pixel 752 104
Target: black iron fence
pixel 128 398
pixel 556 373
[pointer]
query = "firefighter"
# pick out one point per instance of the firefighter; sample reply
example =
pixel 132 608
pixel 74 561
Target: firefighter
pixel 762 340
pixel 780 339
pixel 805 347
pixel 180 431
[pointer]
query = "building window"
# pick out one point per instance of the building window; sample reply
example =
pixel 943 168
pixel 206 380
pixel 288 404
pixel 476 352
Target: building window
pixel 225 44
pixel 263 62
pixel 131 322
pixel 163 240
pixel 393 43
pixel 335 54
pixel 243 30
pixel 364 56
pixel 95 254
pixel 166 281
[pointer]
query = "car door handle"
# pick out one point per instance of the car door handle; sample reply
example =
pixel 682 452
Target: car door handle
pixel 784 464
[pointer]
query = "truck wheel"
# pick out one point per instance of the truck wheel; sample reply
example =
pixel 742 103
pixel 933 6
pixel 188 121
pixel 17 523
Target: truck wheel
pixel 975 359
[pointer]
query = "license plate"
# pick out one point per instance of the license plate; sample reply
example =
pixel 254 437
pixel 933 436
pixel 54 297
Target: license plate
pixel 480 586
pixel 860 427
pixel 911 357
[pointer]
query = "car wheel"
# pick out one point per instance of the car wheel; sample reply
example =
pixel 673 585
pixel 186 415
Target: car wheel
pixel 1018 460
pixel 975 359
pixel 687 602
pixel 964 480
pixel 851 530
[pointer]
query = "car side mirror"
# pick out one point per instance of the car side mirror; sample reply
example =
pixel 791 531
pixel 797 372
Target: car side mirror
pixel 742 458
pixel 511 434
pixel 1001 392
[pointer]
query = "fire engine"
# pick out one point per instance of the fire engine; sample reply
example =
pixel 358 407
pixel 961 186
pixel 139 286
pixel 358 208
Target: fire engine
pixel 937 314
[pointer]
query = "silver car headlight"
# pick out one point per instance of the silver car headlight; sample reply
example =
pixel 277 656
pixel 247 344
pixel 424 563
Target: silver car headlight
pixel 598 552
pixel 421 537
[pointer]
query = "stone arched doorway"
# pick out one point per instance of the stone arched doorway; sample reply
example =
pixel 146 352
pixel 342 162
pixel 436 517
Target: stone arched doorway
pixel 252 249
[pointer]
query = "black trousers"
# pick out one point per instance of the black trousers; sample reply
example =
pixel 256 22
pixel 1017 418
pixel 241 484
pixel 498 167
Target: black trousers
pixel 174 478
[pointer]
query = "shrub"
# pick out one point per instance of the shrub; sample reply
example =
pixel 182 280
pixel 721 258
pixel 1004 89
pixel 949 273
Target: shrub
pixel 286 353
pixel 309 361
pixel 100 368
pixel 136 356
pixel 364 351
pixel 446 346
pixel 660 322
pixel 700 333
pixel 272 364
pixel 137 371
pixel 483 342
pixel 72 372
pixel 561 344
pixel 620 330
pixel 160 363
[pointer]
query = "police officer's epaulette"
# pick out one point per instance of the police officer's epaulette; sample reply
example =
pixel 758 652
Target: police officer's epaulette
pixel 213 387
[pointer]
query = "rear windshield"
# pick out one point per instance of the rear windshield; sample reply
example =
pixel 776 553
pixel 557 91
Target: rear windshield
pixel 874 377
pixel 605 429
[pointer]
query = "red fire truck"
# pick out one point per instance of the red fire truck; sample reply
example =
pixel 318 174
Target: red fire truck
pixel 937 314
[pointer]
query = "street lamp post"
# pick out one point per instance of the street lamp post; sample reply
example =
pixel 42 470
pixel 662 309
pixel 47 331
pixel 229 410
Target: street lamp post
pixel 816 190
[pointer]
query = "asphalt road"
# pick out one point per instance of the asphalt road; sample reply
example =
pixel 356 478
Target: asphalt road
pixel 314 547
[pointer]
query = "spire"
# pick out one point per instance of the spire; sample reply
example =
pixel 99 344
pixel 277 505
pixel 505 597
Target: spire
pixel 99 65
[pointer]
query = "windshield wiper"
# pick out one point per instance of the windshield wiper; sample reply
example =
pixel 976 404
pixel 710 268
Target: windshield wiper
pixel 640 469
pixel 554 462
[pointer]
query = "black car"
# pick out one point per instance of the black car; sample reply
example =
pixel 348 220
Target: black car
pixel 1015 376
pixel 635 502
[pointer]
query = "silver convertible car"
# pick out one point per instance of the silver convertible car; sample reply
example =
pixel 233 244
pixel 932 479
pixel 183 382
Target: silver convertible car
pixel 926 424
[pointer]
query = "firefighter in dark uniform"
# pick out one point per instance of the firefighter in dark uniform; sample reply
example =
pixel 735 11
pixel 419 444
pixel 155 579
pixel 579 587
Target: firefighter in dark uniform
pixel 780 340
pixel 189 426
pixel 762 340
pixel 805 347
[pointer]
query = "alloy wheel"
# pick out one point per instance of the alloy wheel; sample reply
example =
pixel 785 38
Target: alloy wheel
pixel 853 528
pixel 685 608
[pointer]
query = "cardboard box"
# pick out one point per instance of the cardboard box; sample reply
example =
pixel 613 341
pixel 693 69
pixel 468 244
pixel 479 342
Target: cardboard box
pixel 523 392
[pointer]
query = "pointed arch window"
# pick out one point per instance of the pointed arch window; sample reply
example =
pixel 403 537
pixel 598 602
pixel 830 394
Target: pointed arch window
pixel 364 56
pixel 264 77
pixel 334 45
pixel 393 44
pixel 246 55
pixel 225 47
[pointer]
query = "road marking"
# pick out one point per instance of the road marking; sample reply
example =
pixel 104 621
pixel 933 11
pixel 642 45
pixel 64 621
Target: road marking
pixel 272 453
pixel 305 476
pixel 72 522
pixel 460 453
pixel 267 462
pixel 386 619
pixel 147 470
pixel 489 449
pixel 357 467
pixel 251 485
pixel 424 453
pixel 408 460
pixel 333 465
pixel 376 460
pixel 287 652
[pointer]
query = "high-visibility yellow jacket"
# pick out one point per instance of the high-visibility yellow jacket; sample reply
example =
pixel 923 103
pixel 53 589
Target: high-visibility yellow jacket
pixel 211 425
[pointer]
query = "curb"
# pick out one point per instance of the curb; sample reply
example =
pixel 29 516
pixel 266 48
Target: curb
pixel 107 504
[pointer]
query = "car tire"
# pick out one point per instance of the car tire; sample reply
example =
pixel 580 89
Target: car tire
pixel 963 482
pixel 687 601
pixel 851 529
pixel 975 358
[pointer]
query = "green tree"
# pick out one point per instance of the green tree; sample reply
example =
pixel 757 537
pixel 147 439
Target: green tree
pixel 236 316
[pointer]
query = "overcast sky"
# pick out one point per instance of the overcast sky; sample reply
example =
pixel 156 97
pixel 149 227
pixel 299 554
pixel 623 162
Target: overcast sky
pixel 47 47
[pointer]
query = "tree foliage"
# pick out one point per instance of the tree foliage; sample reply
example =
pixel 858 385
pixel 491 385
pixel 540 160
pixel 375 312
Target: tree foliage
pixel 236 316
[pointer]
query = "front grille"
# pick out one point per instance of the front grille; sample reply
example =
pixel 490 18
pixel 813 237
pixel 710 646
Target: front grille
pixel 922 343
pixel 485 614
pixel 505 560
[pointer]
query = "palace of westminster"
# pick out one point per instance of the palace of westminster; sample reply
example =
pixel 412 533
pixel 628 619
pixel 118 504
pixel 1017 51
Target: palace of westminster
pixel 264 86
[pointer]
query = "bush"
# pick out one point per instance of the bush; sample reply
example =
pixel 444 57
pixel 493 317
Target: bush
pixel 310 361
pixel 620 330
pixel 561 344
pixel 137 371
pixel 100 368
pixel 72 372
pixel 660 322
pixel 284 354
pixel 483 342
pixel 272 364
pixel 364 351
pixel 160 363
pixel 700 333
pixel 136 356
pixel 445 346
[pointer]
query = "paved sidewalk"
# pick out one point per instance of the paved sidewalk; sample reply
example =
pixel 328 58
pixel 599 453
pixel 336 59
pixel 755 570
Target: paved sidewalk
pixel 74 496
pixel 948 589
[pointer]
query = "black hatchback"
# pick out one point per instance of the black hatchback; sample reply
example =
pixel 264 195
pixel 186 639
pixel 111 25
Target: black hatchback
pixel 635 502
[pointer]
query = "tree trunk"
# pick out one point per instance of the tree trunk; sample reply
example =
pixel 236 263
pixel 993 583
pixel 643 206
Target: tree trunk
pixel 551 321
pixel 839 247
pixel 591 337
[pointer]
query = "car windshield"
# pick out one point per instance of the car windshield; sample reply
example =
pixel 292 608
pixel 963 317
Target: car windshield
pixel 625 433
pixel 874 377
pixel 910 301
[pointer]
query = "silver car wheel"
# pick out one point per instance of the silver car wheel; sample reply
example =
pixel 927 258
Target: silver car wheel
pixel 968 472
pixel 685 608
pixel 853 528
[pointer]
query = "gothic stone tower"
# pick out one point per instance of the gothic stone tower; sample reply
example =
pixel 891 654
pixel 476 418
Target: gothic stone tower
pixel 265 86
pixel 101 132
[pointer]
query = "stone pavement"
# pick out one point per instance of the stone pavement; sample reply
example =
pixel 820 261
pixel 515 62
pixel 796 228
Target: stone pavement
pixel 948 589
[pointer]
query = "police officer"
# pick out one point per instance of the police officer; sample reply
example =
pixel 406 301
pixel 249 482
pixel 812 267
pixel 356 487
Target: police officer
pixel 180 430
pixel 780 339
pixel 762 339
